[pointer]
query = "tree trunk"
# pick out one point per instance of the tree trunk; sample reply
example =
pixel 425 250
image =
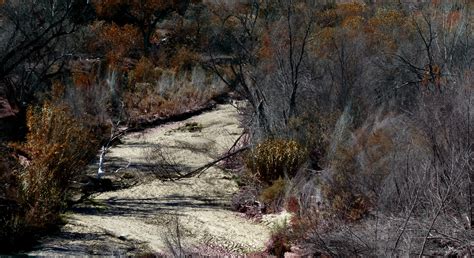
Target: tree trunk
pixel 146 41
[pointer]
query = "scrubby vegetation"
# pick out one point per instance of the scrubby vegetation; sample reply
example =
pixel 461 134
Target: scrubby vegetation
pixel 376 93
pixel 357 115
pixel 275 159
pixel 56 149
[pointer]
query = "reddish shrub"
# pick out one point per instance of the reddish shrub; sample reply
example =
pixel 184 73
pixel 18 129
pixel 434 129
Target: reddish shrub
pixel 293 205
pixel 279 243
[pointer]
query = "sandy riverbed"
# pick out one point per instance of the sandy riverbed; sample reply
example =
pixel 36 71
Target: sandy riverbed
pixel 147 217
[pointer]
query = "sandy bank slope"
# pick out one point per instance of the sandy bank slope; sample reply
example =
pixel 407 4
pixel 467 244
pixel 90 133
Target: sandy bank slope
pixel 145 217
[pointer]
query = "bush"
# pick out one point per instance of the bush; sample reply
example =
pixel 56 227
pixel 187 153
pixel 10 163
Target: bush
pixel 276 158
pixel 165 94
pixel 314 129
pixel 144 72
pixel 37 176
pixel 274 194
pixel 358 169
pixel 342 191
pixel 58 147
pixel 9 199
pixel 293 205
pixel 280 242
pixel 245 201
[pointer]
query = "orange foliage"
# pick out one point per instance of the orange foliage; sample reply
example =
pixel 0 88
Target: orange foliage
pixel 143 72
pixel 265 50
pixel 81 79
pixel 85 73
pixel 57 91
pixel 143 14
pixel 184 59
pixel 386 28
pixel 325 42
pixel 432 74
pixel 327 18
pixel 118 41
pixel 383 30
pixel 453 19
pixel 58 147
pixel 353 23
pixel 350 9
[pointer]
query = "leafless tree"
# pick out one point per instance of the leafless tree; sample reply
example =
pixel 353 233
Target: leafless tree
pixel 272 91
pixel 33 43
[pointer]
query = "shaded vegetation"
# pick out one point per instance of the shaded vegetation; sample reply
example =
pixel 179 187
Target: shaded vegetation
pixel 357 115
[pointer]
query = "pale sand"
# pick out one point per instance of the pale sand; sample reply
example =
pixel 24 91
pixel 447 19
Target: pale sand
pixel 142 218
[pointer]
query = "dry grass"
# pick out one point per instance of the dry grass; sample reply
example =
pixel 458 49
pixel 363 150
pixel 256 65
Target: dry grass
pixel 163 93
pixel 57 148
pixel 276 158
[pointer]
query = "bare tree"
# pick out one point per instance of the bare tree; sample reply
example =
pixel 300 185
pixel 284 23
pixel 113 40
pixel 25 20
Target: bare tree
pixel 33 44
pixel 272 90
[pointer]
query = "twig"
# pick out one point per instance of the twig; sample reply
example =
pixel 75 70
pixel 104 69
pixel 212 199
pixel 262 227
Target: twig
pixel 122 168
pixel 202 169
pixel 406 221
pixel 441 206
pixel 236 142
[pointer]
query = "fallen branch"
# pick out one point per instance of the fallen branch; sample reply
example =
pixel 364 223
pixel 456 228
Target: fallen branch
pixel 123 168
pixel 198 172
pixel 115 134
pixel 236 142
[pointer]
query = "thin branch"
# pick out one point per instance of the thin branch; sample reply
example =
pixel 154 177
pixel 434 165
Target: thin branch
pixel 202 169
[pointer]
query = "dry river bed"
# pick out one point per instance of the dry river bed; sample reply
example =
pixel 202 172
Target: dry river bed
pixel 189 216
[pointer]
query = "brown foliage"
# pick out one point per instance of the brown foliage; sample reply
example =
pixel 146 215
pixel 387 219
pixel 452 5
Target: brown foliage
pixel 183 60
pixel 293 205
pixel 273 159
pixel 314 129
pixel 279 243
pixel 141 14
pixel 145 9
pixel 273 194
pixel 350 9
pixel 118 41
pixel 34 188
pixel 58 147
pixel 143 72
pixel 147 101
pixel 358 170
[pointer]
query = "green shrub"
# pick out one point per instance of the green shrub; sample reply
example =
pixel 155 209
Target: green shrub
pixel 273 192
pixel 273 196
